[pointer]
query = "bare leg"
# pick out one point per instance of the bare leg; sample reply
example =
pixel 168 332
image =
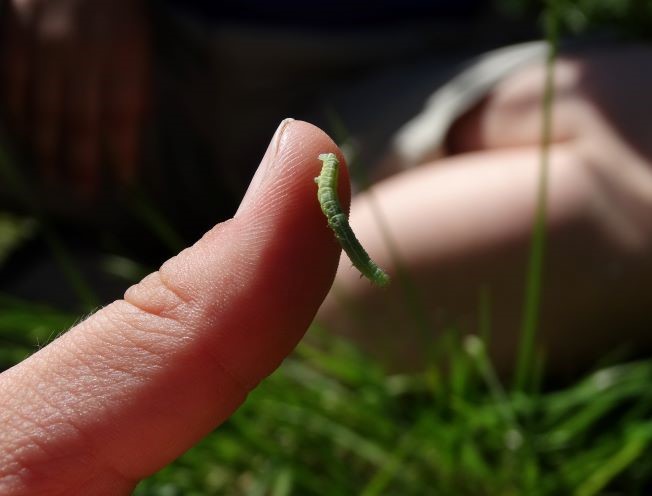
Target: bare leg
pixel 463 223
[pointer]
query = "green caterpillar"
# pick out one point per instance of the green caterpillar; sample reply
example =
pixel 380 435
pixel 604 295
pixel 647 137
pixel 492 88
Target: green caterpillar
pixel 338 222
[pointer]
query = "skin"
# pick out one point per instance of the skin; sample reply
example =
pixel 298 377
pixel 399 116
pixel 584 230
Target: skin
pixel 74 80
pixel 462 224
pixel 135 385
pixel 131 388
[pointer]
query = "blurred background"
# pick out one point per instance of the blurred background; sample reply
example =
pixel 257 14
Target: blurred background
pixel 128 128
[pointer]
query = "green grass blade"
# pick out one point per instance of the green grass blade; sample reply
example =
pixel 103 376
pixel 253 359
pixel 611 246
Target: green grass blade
pixel 535 265
pixel 602 475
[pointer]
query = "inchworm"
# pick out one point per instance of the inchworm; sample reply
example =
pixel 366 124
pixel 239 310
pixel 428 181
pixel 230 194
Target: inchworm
pixel 338 222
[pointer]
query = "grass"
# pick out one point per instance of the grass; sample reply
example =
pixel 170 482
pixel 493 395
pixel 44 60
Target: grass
pixel 331 421
pixel 534 273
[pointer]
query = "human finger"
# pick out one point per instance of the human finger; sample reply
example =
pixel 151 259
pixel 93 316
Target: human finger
pixel 135 385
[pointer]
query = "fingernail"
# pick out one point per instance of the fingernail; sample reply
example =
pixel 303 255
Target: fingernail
pixel 267 165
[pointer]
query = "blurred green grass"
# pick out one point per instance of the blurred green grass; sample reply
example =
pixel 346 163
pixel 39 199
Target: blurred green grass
pixel 331 421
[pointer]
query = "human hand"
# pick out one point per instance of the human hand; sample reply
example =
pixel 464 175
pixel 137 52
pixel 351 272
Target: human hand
pixel 135 385
pixel 74 85
pixel 462 224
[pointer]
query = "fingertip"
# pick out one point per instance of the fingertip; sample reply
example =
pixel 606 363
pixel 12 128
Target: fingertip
pixel 289 167
pixel 291 253
pixel 317 142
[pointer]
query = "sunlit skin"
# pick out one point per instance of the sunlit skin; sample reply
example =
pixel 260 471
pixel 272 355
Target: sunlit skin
pixel 461 225
pixel 131 388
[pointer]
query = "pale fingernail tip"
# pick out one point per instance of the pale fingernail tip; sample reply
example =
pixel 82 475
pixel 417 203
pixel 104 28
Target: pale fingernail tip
pixel 268 163
pixel 278 140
